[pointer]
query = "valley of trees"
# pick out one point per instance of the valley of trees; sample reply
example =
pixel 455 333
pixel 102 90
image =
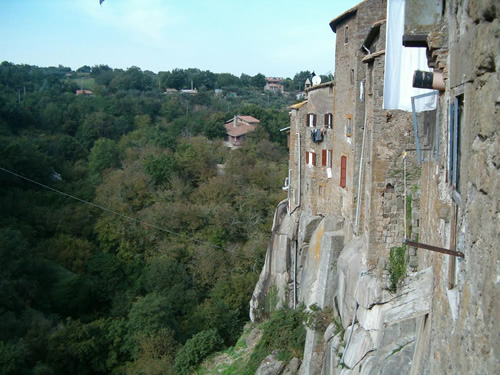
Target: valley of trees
pixel 86 291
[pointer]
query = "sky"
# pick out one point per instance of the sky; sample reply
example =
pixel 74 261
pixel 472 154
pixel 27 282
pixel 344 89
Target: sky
pixel 273 37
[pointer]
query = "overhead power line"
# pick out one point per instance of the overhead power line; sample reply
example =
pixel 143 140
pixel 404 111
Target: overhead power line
pixel 122 215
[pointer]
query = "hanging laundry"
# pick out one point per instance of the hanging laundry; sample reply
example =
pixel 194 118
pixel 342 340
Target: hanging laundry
pixel 316 135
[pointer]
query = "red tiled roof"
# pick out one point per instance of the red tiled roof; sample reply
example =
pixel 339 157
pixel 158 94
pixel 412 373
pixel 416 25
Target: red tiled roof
pixel 249 119
pixel 241 129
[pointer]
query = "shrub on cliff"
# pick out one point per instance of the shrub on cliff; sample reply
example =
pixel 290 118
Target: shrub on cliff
pixel 196 350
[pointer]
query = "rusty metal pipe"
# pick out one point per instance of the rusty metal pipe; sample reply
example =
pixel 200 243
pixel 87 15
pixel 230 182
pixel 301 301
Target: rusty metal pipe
pixel 434 248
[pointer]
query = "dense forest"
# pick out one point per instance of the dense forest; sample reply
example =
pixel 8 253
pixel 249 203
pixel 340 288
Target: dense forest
pixel 128 229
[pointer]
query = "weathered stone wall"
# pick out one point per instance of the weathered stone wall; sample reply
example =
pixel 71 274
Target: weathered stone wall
pixel 388 135
pixel 317 189
pixel 462 333
pixel 349 74
pixel 295 157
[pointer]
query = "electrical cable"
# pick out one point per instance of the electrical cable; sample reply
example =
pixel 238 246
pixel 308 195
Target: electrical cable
pixel 122 215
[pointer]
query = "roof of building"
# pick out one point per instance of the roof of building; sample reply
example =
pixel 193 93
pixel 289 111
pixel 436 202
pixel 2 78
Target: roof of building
pixel 249 119
pixel 374 30
pixel 84 92
pixel 246 124
pixel 348 13
pixel 297 105
pixel 241 129
pixel 321 85
pixel 274 79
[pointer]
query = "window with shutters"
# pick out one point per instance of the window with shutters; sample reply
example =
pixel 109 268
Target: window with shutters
pixel 328 120
pixel 343 171
pixel 348 126
pixel 310 158
pixel 326 158
pixel 311 120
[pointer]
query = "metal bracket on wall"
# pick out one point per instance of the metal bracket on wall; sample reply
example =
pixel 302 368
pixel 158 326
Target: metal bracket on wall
pixel 434 248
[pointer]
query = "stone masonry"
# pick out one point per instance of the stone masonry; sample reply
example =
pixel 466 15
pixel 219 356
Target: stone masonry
pixel 461 334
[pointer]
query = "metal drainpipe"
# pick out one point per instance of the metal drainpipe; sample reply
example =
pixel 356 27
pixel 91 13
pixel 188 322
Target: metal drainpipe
pixel 298 173
pixel 295 275
pixel 358 202
pixel 295 242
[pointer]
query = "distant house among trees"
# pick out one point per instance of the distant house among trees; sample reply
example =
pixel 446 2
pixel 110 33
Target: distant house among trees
pixel 238 127
pixel 274 84
pixel 83 92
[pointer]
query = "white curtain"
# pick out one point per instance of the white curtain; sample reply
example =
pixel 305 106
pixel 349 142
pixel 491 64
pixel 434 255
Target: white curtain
pixel 400 64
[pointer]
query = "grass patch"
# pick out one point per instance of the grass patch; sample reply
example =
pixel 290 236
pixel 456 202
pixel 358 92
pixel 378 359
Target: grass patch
pixel 272 300
pixel 397 266
pixel 283 333
pixel 396 350
pixel 318 319
pixel 409 227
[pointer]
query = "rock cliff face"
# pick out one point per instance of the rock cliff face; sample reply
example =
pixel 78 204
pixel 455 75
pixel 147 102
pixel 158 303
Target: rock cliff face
pixel 325 273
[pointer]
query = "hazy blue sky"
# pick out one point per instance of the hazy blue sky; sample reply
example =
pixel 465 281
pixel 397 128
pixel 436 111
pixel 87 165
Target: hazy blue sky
pixel 272 37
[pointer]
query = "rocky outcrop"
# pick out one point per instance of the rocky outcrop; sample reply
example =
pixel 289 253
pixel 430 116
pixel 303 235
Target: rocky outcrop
pixel 271 365
pixel 376 331
pixel 300 262
pixel 275 273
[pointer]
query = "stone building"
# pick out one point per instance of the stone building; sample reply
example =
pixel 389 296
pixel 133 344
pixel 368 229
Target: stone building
pixel 351 28
pixel 311 146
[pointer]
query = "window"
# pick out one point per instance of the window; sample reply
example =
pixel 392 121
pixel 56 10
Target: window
pixel 311 119
pixel 369 79
pixel 454 155
pixel 310 158
pixel 321 189
pixel 343 171
pixel 346 34
pixel 326 158
pixel 328 120
pixel 348 126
